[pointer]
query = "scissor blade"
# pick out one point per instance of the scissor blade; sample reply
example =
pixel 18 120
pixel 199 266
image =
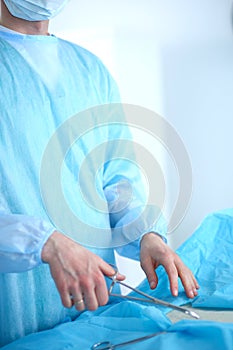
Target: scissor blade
pixel 106 345
pixel 150 299
pixel 137 340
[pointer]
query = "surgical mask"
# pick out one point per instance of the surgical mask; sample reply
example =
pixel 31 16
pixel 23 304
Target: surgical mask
pixel 38 10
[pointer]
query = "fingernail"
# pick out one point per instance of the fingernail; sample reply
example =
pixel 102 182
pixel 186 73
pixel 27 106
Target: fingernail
pixel 152 285
pixel 175 292
pixel 191 294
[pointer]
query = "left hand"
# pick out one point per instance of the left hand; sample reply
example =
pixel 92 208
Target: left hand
pixel 155 252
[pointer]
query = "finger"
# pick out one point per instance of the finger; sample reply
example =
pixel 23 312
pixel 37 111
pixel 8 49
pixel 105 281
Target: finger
pixel 77 300
pixel 188 280
pixel 66 300
pixel 154 282
pixel 190 291
pixel 106 269
pixel 79 304
pixel 91 299
pixel 100 290
pixel 64 294
pixel 101 293
pixel 196 283
pixel 173 278
pixel 149 270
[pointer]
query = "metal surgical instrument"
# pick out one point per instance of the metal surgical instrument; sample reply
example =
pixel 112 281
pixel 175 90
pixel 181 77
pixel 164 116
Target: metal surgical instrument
pixel 147 298
pixel 107 345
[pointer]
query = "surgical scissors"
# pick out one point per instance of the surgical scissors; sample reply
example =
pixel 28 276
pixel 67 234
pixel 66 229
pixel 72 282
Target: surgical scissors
pixel 147 298
pixel 107 345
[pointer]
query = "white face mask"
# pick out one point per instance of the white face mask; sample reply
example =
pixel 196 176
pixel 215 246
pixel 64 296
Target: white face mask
pixel 35 10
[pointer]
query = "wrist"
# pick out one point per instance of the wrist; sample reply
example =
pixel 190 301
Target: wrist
pixel 153 234
pixel 49 247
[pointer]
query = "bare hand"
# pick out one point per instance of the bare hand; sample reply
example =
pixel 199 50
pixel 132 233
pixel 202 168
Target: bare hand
pixel 155 252
pixel 77 272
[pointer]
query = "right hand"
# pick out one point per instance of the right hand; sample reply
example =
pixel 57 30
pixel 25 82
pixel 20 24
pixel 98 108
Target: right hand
pixel 77 272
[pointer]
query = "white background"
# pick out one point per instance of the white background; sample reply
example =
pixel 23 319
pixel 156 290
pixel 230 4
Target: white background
pixel 176 58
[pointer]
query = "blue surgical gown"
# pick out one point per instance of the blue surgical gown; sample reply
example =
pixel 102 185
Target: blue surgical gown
pixel 44 81
pixel 208 252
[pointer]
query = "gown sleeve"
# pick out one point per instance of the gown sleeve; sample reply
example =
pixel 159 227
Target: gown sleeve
pixel 125 191
pixel 21 241
pixel 129 214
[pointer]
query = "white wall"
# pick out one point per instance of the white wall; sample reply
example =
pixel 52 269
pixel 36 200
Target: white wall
pixel 176 58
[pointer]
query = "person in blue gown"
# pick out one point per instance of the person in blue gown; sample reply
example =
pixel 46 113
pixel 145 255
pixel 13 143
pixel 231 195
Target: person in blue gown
pixel 46 275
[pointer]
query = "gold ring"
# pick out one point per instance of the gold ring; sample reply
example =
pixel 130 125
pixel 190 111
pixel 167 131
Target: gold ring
pixel 76 303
